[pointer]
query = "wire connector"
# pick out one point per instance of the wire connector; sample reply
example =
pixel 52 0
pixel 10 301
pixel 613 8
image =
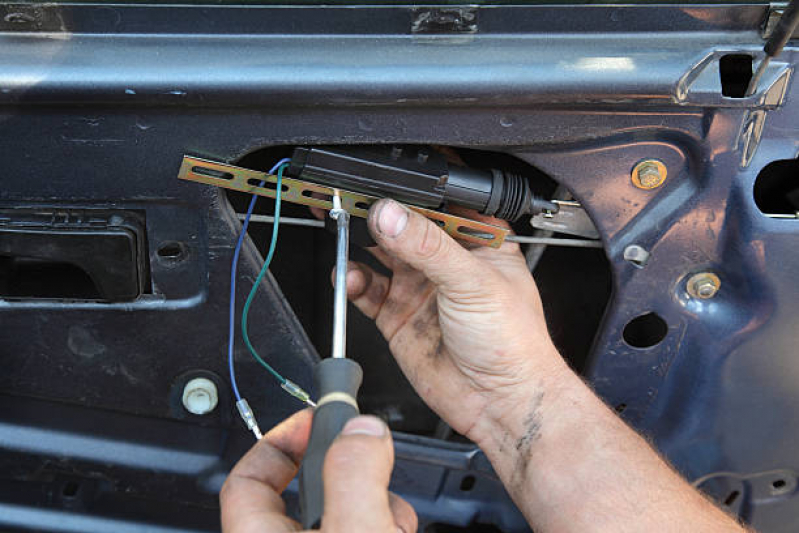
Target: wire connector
pixel 296 391
pixel 249 418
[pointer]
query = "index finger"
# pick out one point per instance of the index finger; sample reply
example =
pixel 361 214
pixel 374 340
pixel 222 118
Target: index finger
pixel 250 498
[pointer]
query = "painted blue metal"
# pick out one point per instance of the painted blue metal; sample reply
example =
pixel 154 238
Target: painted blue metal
pixel 99 103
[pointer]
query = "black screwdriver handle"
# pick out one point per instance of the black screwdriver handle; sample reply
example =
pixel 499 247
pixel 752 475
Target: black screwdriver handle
pixel 337 381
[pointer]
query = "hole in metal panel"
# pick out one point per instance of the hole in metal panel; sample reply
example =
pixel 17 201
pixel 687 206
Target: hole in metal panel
pixel 467 483
pixel 735 71
pixel 173 251
pixel 776 188
pixel 645 331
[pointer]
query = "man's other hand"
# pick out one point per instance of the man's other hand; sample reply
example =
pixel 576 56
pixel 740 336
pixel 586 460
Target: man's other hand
pixel 356 475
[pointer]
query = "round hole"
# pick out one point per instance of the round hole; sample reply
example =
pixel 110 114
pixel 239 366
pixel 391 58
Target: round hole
pixel 172 251
pixel 467 483
pixel 645 331
pixel 70 489
pixel 779 484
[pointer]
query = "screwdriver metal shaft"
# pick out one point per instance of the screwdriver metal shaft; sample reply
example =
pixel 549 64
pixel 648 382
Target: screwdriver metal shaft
pixel 342 218
pixel 337 382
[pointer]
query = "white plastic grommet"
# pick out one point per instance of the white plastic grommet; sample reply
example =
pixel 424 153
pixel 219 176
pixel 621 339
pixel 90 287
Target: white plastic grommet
pixel 200 396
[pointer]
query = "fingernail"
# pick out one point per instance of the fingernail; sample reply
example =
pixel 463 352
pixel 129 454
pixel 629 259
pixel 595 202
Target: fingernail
pixel 365 425
pixel 392 219
pixel 400 530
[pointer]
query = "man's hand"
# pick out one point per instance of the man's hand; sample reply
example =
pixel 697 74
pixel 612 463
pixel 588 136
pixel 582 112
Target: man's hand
pixel 356 475
pixel 466 326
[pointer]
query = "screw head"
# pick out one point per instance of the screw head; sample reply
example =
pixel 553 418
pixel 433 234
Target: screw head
pixel 200 396
pixel 704 285
pixel 649 174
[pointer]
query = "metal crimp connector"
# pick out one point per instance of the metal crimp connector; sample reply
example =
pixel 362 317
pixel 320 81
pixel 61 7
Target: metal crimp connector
pixel 296 391
pixel 249 418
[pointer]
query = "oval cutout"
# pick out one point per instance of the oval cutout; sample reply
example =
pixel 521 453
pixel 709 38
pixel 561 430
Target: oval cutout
pixel 212 173
pixel 266 185
pixel 476 233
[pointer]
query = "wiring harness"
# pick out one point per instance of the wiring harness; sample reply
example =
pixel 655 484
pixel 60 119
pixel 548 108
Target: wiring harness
pixel 289 386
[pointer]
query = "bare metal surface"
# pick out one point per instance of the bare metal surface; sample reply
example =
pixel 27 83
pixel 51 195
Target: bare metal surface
pixel 576 243
pixel 533 252
pixel 570 219
pixel 290 221
pixel 342 218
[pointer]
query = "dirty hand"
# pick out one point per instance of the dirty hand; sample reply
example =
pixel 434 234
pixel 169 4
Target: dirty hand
pixel 466 326
pixel 356 474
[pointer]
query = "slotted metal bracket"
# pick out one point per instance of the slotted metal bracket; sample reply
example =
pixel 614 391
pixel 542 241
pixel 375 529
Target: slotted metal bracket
pixel 315 195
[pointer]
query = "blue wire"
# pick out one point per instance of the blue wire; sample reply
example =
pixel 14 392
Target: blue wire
pixel 233 269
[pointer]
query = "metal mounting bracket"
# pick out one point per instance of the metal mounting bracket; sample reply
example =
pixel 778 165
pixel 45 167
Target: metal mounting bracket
pixel 316 195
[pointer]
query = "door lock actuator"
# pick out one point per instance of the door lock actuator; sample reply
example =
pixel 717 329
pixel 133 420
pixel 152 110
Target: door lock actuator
pixel 419 177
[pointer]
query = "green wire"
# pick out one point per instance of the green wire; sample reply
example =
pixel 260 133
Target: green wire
pixel 264 269
pixel 286 384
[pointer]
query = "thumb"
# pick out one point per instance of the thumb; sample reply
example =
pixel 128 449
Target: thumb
pixel 356 474
pixel 417 241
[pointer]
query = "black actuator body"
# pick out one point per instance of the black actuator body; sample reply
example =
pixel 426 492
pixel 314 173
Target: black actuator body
pixel 417 175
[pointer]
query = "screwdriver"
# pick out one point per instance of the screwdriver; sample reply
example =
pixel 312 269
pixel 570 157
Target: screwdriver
pixel 337 382
pixel 782 33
